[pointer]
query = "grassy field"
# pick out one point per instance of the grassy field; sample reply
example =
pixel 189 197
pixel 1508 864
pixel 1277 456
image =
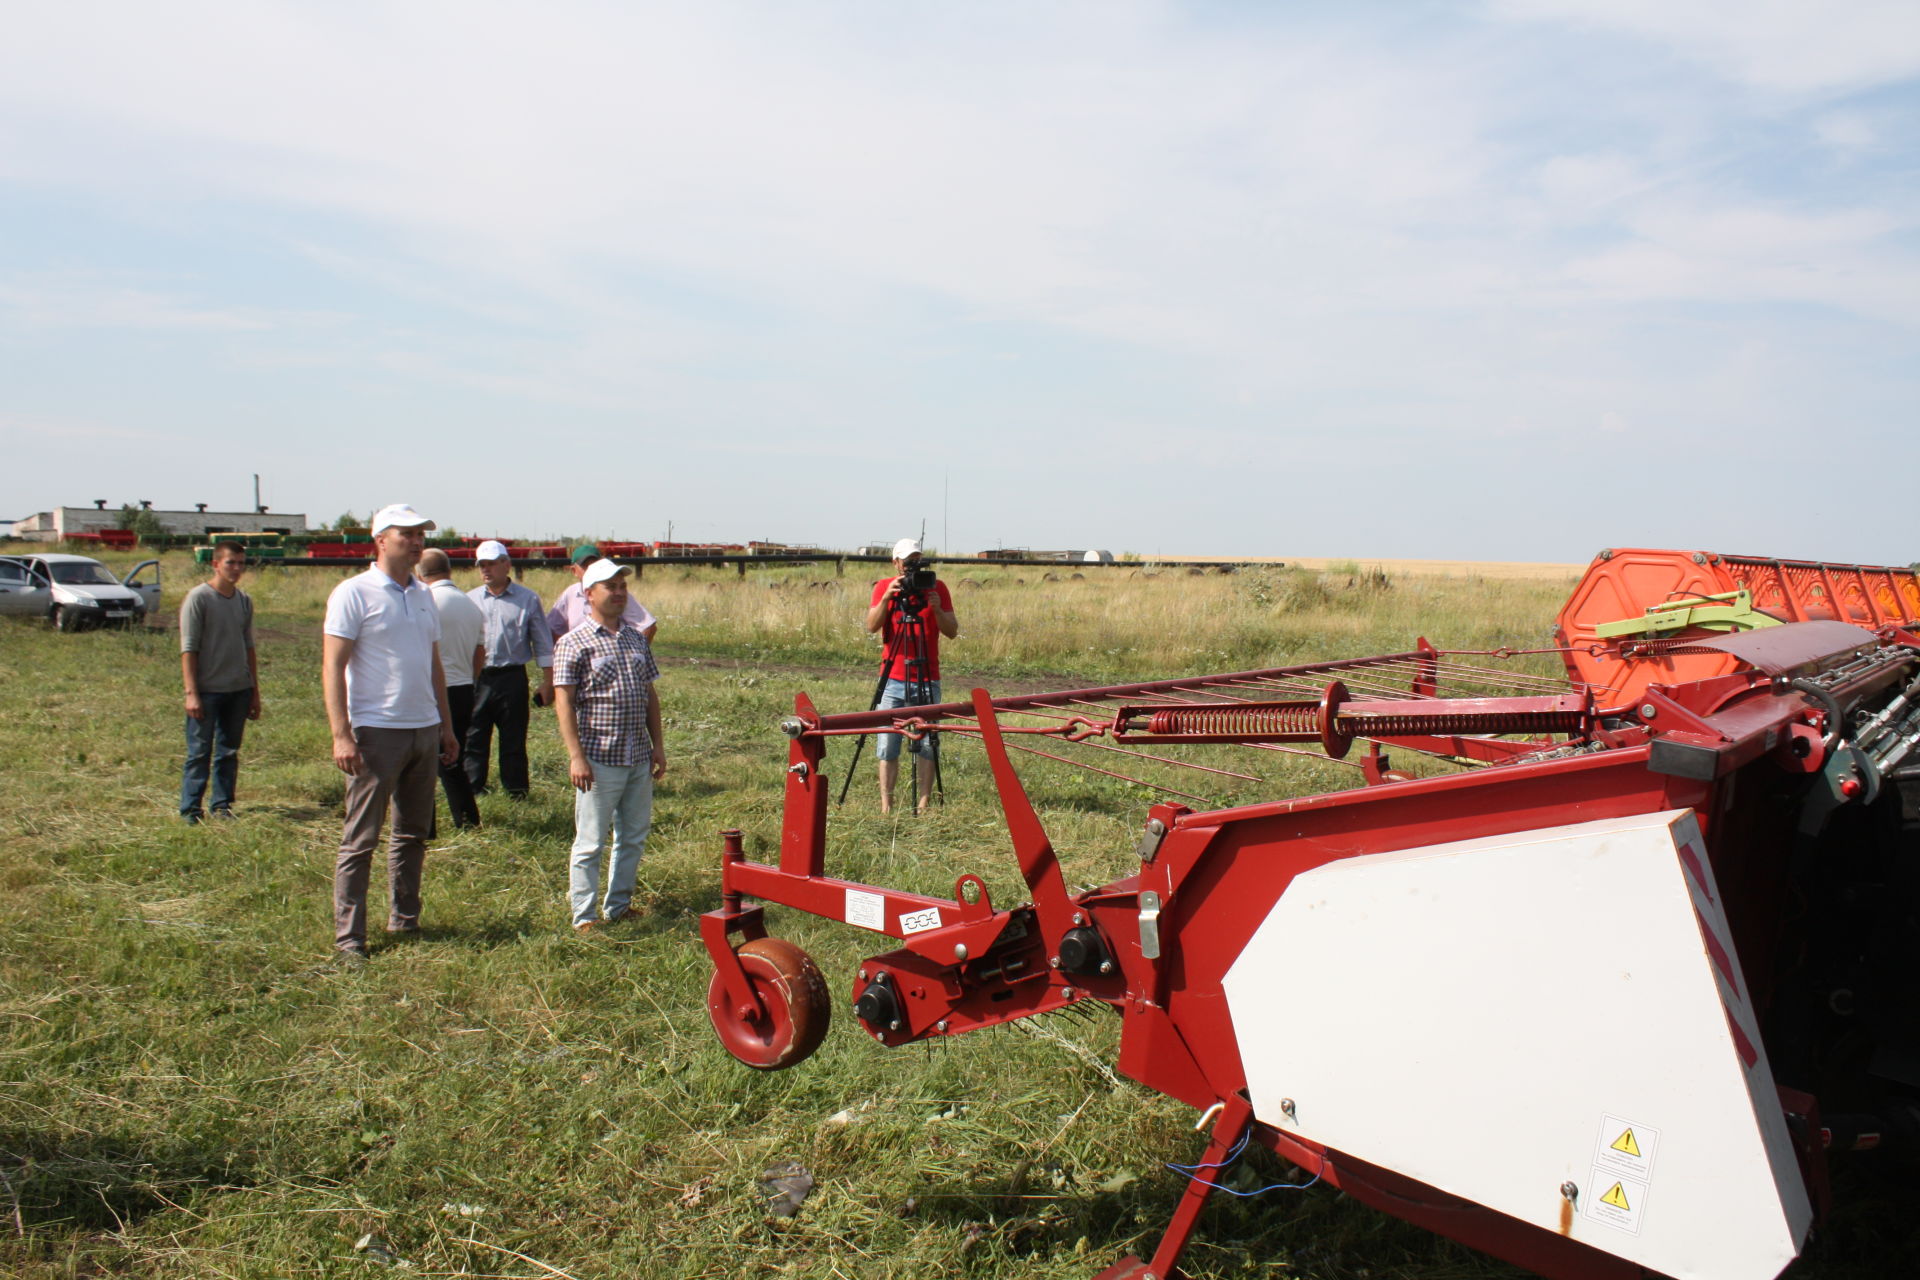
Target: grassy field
pixel 192 1087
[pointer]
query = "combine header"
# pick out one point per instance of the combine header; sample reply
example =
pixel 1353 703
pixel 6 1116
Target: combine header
pixel 1601 992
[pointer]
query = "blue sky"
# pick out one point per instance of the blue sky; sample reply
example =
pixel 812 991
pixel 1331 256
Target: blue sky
pixel 1512 280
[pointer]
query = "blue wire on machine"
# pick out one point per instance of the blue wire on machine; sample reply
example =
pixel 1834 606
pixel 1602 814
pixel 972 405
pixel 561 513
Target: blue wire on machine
pixel 1188 1171
pixel 1232 1155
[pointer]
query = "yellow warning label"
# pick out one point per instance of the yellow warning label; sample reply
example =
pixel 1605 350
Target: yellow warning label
pixel 1617 1197
pixel 1626 1143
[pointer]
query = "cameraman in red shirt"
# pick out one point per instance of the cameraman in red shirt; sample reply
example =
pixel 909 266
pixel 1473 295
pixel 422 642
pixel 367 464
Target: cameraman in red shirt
pixel 910 612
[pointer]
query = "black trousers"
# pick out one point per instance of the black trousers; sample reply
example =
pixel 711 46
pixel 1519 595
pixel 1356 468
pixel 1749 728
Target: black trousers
pixel 453 777
pixel 500 700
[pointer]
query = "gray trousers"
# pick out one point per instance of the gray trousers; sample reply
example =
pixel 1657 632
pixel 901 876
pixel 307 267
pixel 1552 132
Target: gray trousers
pixel 398 770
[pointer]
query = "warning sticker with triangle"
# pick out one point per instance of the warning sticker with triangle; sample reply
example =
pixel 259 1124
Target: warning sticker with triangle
pixel 1625 1148
pixel 1617 1202
pixel 1623 1154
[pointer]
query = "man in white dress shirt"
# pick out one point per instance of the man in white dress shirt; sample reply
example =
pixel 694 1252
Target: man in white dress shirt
pixel 461 654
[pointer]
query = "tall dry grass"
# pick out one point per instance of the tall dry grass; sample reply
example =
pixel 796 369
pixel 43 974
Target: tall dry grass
pixel 1117 621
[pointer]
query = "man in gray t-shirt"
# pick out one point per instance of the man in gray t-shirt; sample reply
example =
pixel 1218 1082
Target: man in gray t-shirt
pixel 222 680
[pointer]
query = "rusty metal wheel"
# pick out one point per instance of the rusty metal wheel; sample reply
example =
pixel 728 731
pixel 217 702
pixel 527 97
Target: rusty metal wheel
pixel 798 1010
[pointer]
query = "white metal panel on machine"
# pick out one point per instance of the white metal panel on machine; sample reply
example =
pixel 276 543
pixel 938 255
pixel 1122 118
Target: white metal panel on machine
pixel 1503 1016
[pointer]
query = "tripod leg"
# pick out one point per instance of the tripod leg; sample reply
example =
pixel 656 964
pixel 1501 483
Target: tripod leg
pixel 920 693
pixel 859 744
pixel 922 783
pixel 879 696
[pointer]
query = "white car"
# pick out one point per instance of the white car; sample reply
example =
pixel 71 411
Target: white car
pixel 74 592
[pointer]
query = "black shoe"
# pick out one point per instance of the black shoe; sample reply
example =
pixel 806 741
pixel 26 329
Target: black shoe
pixel 353 956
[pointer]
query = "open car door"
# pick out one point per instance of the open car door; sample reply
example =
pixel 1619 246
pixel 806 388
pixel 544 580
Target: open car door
pixel 145 578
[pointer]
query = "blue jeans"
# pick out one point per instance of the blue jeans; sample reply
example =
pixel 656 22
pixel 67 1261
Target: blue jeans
pixel 213 744
pixel 895 695
pixel 622 798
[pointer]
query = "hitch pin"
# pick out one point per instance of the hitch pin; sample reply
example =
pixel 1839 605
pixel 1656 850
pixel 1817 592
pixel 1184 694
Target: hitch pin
pixel 1206 1117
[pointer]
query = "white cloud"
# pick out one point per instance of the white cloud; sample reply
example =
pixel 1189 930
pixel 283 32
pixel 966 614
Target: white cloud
pixel 1847 132
pixel 1745 255
pixel 1255 234
pixel 43 305
pixel 1578 187
pixel 77 430
pixel 1784 45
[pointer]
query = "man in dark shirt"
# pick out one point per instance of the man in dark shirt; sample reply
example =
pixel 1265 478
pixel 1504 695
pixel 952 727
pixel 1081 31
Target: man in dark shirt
pixel 516 634
pixel 222 679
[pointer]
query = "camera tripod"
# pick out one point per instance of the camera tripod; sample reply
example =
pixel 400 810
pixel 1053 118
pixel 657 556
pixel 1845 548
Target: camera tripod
pixel 906 639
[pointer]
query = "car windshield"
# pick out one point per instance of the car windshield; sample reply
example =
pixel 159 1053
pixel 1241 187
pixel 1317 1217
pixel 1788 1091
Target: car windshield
pixel 82 573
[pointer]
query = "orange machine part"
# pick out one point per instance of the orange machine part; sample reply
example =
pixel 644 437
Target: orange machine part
pixel 1626 582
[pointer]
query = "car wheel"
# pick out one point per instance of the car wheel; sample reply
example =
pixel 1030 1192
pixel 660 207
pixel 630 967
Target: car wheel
pixel 65 619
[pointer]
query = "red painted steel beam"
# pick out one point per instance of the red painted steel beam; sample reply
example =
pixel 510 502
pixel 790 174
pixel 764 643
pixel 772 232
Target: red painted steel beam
pixel 884 720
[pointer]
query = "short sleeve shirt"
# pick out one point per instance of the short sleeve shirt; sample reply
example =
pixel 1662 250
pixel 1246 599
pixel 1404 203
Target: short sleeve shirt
pixel 570 609
pixel 393 629
pixel 461 626
pixel 219 629
pixel 898 646
pixel 612 675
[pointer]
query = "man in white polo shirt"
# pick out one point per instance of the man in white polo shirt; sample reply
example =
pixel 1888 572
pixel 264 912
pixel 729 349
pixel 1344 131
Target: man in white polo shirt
pixel 461 627
pixel 386 697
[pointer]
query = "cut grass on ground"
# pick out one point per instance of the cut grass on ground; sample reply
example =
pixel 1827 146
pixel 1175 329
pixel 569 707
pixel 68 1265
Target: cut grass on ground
pixel 193 1088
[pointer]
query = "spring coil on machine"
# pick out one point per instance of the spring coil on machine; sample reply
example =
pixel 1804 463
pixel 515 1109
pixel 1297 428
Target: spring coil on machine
pixel 1247 722
pixel 1303 720
pixel 1466 722
pixel 1290 718
pixel 1335 721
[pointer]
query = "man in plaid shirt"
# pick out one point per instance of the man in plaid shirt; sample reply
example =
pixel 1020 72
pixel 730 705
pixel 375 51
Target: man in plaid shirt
pixel 603 674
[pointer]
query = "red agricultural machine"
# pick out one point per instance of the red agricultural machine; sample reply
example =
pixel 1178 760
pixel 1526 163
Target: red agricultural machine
pixel 1601 993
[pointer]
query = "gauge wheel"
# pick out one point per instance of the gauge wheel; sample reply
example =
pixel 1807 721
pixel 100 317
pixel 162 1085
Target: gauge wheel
pixel 797 1008
pixel 65 619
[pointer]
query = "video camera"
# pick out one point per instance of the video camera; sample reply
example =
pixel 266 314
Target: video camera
pixel 915 583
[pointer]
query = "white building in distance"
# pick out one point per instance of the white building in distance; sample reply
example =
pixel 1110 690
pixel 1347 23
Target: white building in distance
pixel 51 526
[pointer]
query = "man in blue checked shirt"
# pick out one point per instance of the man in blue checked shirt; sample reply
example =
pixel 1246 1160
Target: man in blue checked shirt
pixel 516 634
pixel 610 721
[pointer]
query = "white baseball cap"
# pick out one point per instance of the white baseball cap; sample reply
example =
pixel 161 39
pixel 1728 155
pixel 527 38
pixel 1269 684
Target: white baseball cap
pixel 490 550
pixel 600 571
pixel 400 516
pixel 904 548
